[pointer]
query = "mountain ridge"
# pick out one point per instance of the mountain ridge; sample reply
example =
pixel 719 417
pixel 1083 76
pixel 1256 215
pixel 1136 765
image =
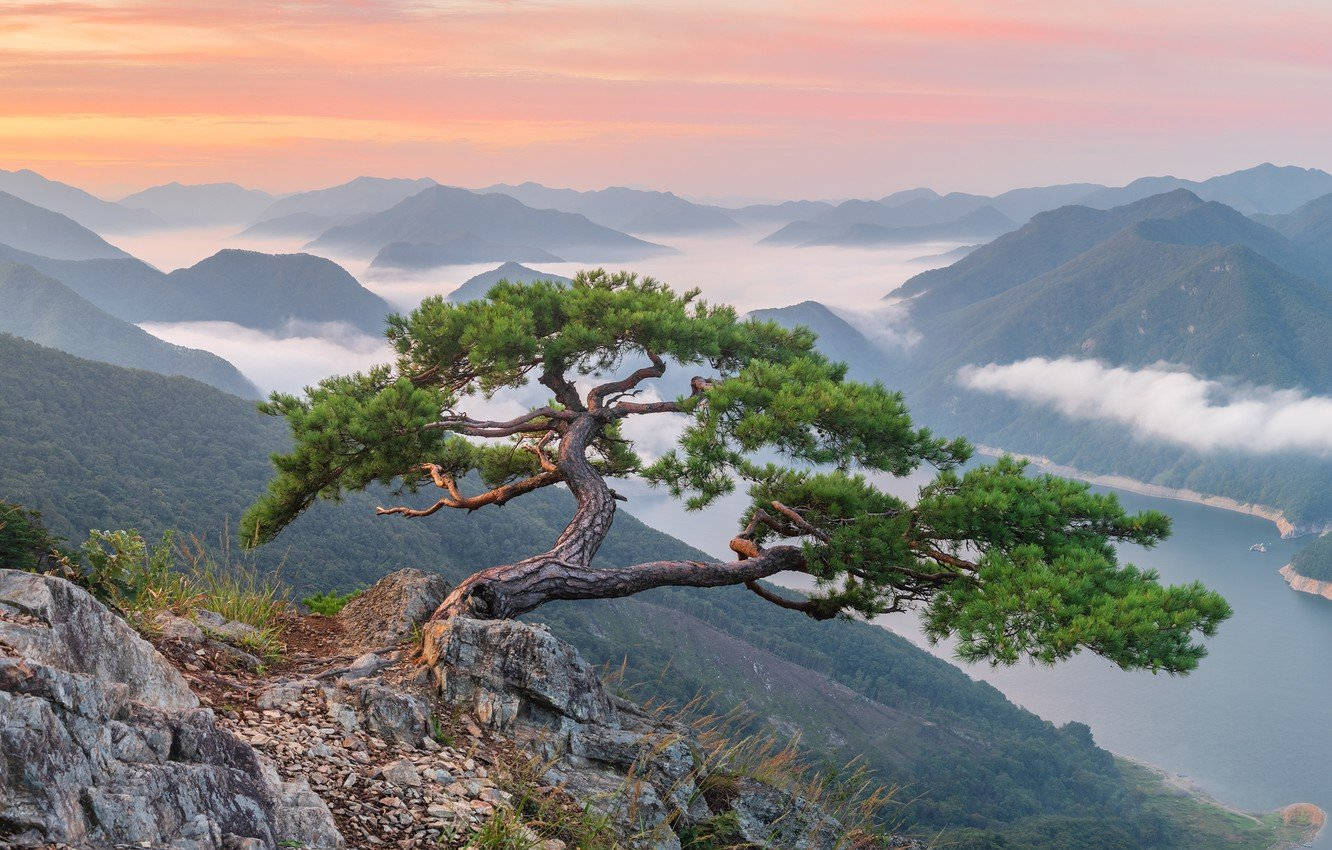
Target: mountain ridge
pixel 442 211
pixel 43 310
pixel 83 207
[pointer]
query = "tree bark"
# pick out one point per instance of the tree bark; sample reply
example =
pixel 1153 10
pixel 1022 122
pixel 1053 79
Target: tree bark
pixel 566 571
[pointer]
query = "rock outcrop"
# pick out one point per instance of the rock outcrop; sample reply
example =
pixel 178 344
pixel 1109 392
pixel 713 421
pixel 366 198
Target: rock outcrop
pixel 103 743
pixel 1304 584
pixel 397 604
pixel 640 769
pixel 377 728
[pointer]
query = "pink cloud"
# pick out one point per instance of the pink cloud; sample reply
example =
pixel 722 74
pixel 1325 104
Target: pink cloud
pixel 979 95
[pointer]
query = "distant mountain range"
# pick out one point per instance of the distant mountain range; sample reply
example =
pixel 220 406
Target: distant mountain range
pixel 630 210
pixel 178 205
pixel 1309 227
pixel 29 227
pixel 1172 278
pixel 39 308
pixel 264 291
pixel 477 286
pixel 455 250
pixel 984 222
pixel 838 338
pixel 311 213
pixel 440 213
pixel 90 211
pixel 778 213
pixel 1263 189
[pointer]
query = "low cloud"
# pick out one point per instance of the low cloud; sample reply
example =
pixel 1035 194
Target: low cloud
pixel 1160 403
pixel 288 361
pixel 885 325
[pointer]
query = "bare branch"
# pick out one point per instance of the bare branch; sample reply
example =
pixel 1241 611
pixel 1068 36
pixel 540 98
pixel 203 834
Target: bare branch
pixel 800 522
pixel 532 422
pixel 638 376
pixel 456 499
pixel 808 607
pixel 697 386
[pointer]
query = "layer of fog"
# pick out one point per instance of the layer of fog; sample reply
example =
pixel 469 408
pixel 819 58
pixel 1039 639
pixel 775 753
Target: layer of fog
pixel 1166 404
pixel 730 269
pixel 287 362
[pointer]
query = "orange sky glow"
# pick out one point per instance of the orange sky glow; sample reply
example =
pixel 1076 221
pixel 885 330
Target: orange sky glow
pixel 729 98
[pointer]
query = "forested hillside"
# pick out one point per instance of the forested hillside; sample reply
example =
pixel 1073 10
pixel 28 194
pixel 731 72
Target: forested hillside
pixel 266 291
pixel 43 310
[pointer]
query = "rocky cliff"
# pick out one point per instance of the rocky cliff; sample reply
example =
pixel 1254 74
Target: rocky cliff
pixel 1304 584
pixel 370 731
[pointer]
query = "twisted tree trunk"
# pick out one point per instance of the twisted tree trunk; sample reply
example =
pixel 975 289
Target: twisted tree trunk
pixel 565 571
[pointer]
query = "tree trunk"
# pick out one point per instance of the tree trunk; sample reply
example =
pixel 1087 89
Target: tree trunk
pixel 565 571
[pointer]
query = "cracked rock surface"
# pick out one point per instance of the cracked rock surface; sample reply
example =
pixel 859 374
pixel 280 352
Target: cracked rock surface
pixel 103 743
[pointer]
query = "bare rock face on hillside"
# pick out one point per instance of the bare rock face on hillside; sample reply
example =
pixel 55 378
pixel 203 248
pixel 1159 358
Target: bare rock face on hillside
pixel 103 743
pixel 376 728
pixel 520 681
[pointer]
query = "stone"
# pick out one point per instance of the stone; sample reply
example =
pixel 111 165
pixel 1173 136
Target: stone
pixel 771 817
pixel 50 621
pixel 499 669
pixel 364 665
pixel 393 716
pixel 228 630
pixel 104 743
pixel 387 613
pixel 281 694
pixel 402 773
pixel 178 628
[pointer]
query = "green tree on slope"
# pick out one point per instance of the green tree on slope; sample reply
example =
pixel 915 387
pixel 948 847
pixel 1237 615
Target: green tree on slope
pixel 1008 564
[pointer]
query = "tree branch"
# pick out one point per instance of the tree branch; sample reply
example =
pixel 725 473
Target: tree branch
pixel 808 607
pixel 532 422
pixel 539 449
pixel 638 376
pixel 455 499
pixel 552 377
pixel 697 386
pixel 515 589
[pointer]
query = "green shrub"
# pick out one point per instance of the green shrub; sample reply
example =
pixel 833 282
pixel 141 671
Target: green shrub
pixel 329 602
pixel 25 544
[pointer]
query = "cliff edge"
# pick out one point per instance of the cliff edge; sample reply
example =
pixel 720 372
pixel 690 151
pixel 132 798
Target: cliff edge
pixel 375 729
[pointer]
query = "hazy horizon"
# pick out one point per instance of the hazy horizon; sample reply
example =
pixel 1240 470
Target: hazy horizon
pixel 732 99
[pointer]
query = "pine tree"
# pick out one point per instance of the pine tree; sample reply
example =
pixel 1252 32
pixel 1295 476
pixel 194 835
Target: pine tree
pixel 1009 564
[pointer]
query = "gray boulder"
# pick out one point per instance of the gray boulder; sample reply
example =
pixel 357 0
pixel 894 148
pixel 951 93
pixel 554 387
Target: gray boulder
pixel 102 742
pixel 643 771
pixel 387 613
pixel 504 670
pixel 228 630
pixel 50 621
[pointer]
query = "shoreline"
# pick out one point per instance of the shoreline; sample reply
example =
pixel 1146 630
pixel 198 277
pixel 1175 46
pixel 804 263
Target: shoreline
pixel 1285 527
pixel 1186 786
pixel 1304 584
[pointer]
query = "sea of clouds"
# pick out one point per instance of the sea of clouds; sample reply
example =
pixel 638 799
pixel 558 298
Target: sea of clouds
pixel 1160 402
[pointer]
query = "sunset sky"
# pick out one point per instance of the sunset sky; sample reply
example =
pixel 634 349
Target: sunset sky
pixel 723 98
